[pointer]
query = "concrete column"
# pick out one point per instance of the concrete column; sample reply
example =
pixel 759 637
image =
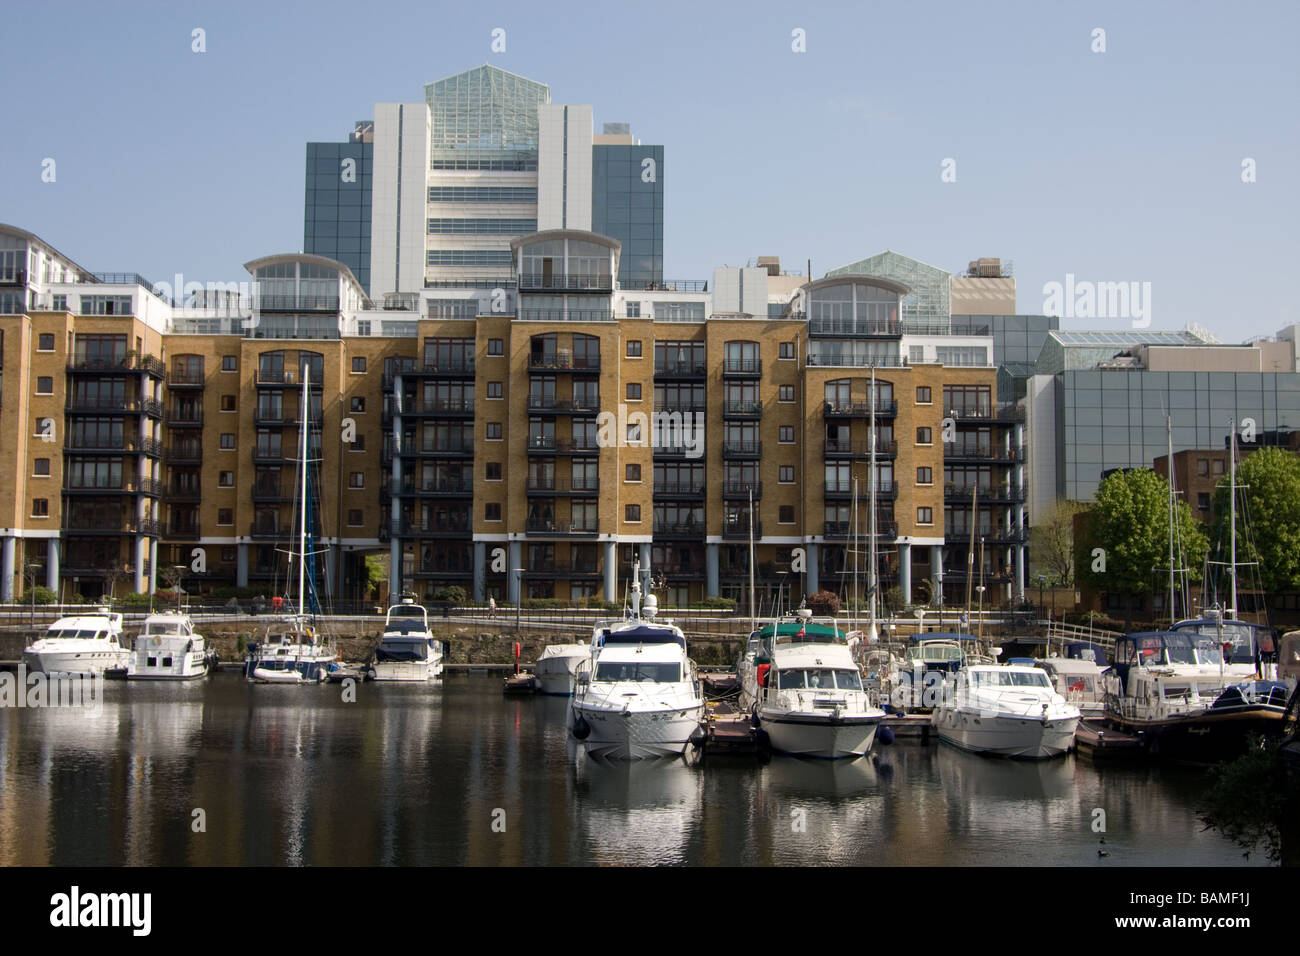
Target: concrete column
pixel 905 571
pixel 814 566
pixel 7 584
pixel 153 565
pixel 141 550
pixel 611 571
pixel 241 565
pixel 480 572
pixel 711 570
pixel 645 567
pixel 936 568
pixel 52 566
pixel 1019 582
pixel 514 585
pixel 394 566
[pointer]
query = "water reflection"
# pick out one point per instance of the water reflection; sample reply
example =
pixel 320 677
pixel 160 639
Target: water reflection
pixel 636 811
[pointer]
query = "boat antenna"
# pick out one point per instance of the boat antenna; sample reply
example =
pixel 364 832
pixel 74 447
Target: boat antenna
pixel 873 581
pixel 302 479
pixel 1232 514
pixel 753 608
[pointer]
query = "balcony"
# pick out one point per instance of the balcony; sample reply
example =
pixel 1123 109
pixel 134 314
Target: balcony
pixel 859 409
pixel 885 490
pixel 687 369
pixel 550 405
pixel 437 487
pixel 543 526
pixel 146 486
pixel 741 489
pixel 750 411
pixel 1008 414
pixel 186 379
pixel 990 495
pixel 114 406
pixel 282 378
pixel 687 531
pixel 550 445
pixel 275 418
pixel 185 493
pixel 266 530
pixel 954 451
pixel 298 303
pixel 843 530
pixel 855 328
pixel 550 569
pixel 860 449
pixel 681 408
pixel 188 531
pixel 433 528
pixel 679 489
pixel 184 418
pixel 128 362
pixel 93 524
pixel 564 282
pixel 187 453
pixel 437 408
pixel 742 368
pixel 267 455
pixel 563 362
pixel 740 529
pixel 563 486
pixel 272 492
pixel 742 449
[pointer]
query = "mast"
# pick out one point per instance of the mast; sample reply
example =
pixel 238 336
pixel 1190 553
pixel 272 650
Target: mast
pixel 970 552
pixel 1169 433
pixel 1232 514
pixel 753 609
pixel 855 551
pixel 302 482
pixel 872 571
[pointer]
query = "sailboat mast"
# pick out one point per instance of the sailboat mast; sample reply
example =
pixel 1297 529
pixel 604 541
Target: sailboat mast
pixel 1169 434
pixel 302 491
pixel 1232 514
pixel 753 609
pixel 872 581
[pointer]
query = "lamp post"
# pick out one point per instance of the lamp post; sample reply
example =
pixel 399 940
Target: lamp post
pixel 1042 580
pixel 178 572
pixel 938 578
pixel 31 589
pixel 519 596
pixel 980 589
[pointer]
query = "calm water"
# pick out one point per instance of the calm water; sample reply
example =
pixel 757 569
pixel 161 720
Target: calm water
pixel 416 775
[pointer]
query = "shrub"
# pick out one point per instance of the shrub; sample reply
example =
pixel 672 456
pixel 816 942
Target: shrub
pixel 824 603
pixel 453 593
pixel 42 595
pixel 724 603
pixel 135 600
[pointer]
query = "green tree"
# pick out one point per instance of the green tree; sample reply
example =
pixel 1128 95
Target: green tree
pixel 1268 518
pixel 1253 802
pixel 1130 521
pixel 1051 542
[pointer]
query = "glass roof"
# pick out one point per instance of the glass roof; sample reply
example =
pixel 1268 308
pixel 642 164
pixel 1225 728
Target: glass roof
pixel 486 109
pixel 1121 339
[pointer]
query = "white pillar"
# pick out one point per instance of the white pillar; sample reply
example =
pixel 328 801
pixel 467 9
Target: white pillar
pixel 611 571
pixel 7 585
pixel 52 566
pixel 905 571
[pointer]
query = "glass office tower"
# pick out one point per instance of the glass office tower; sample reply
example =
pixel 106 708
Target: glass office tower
pixel 627 204
pixel 336 218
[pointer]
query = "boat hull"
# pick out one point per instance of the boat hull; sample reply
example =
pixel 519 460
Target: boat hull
pixel 816 735
pixel 558 683
pixel 278 671
pixel 75 662
pixel 1012 736
pixel 188 665
pixel 639 734
pixel 410 672
pixel 1211 737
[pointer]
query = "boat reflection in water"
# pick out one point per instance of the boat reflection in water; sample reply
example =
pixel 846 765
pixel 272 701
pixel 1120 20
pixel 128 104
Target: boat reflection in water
pixel 642 812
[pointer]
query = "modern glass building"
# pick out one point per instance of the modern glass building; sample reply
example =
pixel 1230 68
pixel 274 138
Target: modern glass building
pixel 926 306
pixel 336 216
pixel 485 118
pixel 1017 340
pixel 627 204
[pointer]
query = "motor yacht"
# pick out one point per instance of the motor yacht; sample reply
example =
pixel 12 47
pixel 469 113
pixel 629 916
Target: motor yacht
pixel 555 669
pixel 407 650
pixel 79 644
pixel 1006 710
pixel 168 649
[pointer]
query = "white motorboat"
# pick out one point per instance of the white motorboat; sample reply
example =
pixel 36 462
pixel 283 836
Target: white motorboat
pixel 168 649
pixel 1076 675
pixel 638 694
pixel 915 682
pixel 558 664
pixel 1006 710
pixel 407 651
pixel 79 644
pixel 811 702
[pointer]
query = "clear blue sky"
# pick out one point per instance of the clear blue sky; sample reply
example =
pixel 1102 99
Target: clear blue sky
pixel 1115 166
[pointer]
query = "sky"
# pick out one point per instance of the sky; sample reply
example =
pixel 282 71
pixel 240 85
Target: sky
pixel 1115 165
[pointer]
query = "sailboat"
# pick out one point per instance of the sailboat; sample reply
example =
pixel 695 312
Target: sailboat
pixel 292 652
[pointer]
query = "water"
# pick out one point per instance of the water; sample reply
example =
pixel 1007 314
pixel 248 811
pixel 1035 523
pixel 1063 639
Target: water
pixel 412 775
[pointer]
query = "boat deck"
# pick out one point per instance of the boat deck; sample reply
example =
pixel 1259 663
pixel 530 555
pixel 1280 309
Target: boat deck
pixel 1094 739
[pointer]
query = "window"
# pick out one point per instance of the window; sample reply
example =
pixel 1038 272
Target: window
pixel 634 348
pixel 916 354
pixel 923 395
pixel 226 479
pixel 785 475
pixel 359 443
pixel 45 385
pixel 925 476
pixel 493 431
pixel 1203 501
pixel 492 511
pixel 356 517
pixel 634 391
pixel 1219 465
pixel 632 473
pixel 358 364
pixel 786 350
pixel 634 434
pixel 42 469
pixel 634 312
pixel 493 471
pixel 40 507
pixel 785 514
pixel 227 441
pixel 495 390
pixel 925 516
pixel 45 342
pixel 496 347
pixel 785 435
pixel 357 405
pixel 230 363
pixel 357 479
pixel 923 436
pixel 632 513
pixel 227 403
pixel 785 393
pixel 229 554
pixel 225 516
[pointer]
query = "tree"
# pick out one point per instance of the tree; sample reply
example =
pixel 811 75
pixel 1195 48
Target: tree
pixel 1051 542
pixel 1253 800
pixel 1129 521
pixel 824 603
pixel 1268 518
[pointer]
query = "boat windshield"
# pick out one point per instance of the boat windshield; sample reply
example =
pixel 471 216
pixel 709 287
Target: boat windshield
pixel 71 632
pixel 1010 679
pixel 1237 633
pixel 819 679
pixel 659 673
pixel 935 652
pixel 163 628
